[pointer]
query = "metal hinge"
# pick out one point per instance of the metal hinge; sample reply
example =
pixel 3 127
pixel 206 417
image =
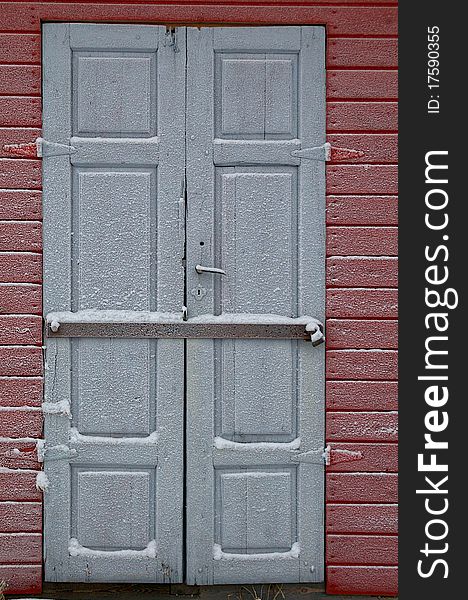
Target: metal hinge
pixel 40 148
pixel 319 456
pixel 45 148
pixel 171 39
pixel 326 152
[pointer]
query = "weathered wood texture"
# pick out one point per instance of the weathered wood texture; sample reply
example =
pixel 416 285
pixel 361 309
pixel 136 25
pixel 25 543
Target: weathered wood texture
pixel 20 267
pixel 20 361
pixel 362 395
pixel 20 453
pixel 358 271
pixel 17 423
pixel 362 518
pixel 368 488
pixel 359 333
pixel 369 457
pixel 20 236
pixel 361 268
pixel 362 241
pixel 362 549
pixel 362 427
pixel 20 391
pixel 20 330
pixel 381 581
pixel 22 577
pixel 20 548
pixel 362 303
pixel 362 210
pixel 20 299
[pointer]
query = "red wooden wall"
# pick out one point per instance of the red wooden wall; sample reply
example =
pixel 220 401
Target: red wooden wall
pixel 361 512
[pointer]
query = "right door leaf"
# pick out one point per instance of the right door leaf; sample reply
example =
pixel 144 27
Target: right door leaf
pixel 254 509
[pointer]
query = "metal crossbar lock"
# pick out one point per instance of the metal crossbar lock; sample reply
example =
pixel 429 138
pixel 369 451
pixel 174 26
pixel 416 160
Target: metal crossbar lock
pixel 210 327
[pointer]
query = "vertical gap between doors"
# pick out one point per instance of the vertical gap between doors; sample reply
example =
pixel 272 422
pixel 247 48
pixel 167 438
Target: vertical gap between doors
pixel 184 516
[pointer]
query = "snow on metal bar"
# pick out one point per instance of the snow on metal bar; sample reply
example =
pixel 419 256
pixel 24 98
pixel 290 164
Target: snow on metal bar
pixel 131 324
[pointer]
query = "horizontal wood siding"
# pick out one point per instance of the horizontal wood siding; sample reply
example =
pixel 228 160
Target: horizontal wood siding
pixel 361 271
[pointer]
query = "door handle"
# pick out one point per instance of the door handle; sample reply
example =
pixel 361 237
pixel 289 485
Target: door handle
pixel 201 269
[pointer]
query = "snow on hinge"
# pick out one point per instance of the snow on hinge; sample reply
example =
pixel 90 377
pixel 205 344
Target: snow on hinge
pixel 326 152
pixel 58 452
pixel 42 482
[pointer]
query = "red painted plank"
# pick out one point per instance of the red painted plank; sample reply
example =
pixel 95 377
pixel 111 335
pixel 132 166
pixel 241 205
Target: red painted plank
pixel 21 391
pixel 361 241
pixel 362 550
pixel 232 2
pixel 18 486
pixel 362 210
pixel 362 85
pixel 20 548
pixel 374 458
pixel 376 581
pixel 20 111
pixel 368 488
pixel 20 330
pixel 20 299
pixel 362 518
pixel 18 454
pixel 362 116
pixel 361 303
pixel 20 80
pixel 20 173
pixel 20 236
pixel 20 361
pixel 16 135
pixel 362 426
pixel 362 179
pixel 19 204
pixel 362 395
pixel 352 20
pixel 21 423
pixel 348 333
pixel 20 48
pixel 377 147
pixel 362 272
pixel 20 268
pixel 362 364
pixel 362 52
pixel 21 579
pixel 26 516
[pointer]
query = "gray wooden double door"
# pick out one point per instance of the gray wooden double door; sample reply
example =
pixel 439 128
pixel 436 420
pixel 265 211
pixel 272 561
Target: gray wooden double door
pixel 183 460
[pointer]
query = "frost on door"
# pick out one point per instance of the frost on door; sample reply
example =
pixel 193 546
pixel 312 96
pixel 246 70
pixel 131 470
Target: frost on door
pixel 114 407
pixel 121 147
pixel 255 408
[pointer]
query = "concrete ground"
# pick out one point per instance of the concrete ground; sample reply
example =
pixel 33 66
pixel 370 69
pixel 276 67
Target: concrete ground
pixel 81 591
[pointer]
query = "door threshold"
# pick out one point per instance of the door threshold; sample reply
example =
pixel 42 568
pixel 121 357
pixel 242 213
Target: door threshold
pixel 103 591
